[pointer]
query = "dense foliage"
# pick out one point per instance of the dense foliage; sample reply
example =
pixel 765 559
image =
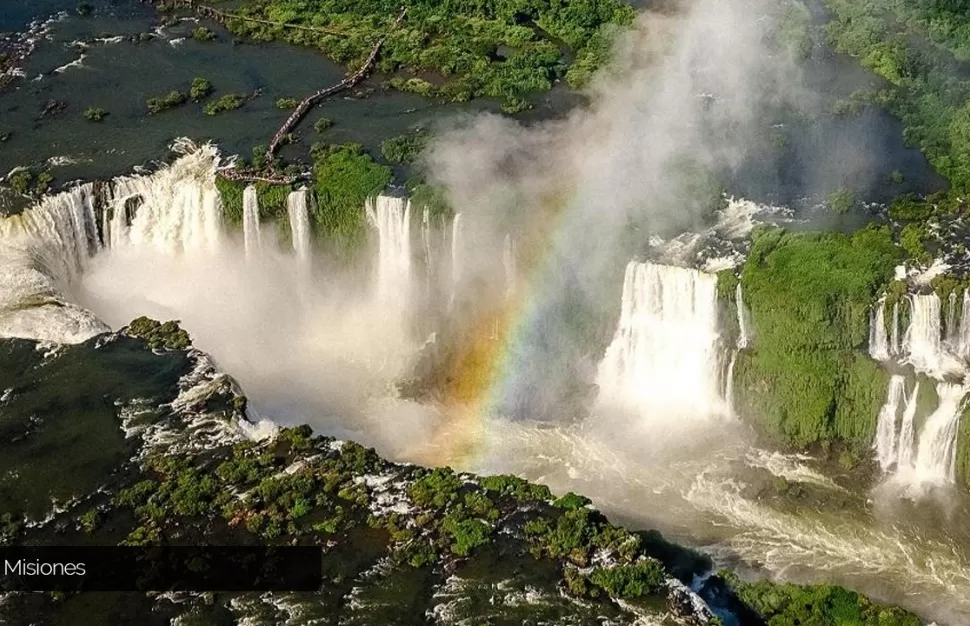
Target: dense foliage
pixel 200 88
pixel 345 176
pixel 499 48
pixel 809 294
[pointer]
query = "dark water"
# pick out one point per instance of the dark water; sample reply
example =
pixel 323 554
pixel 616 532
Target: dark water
pixel 58 417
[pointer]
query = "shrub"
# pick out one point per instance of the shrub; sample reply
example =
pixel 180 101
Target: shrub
pixel 627 582
pixel 322 124
pixel 203 34
pixel 228 102
pixel 94 114
pixel 200 88
pixel 287 103
pixel 169 101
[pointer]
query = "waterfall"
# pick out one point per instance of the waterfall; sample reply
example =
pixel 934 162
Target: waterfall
pixel 176 209
pixel 887 445
pixel 744 332
pixel 951 319
pixel 894 336
pixel 456 244
pixel 922 341
pixel 907 430
pixel 878 338
pixel 251 235
pixel 391 217
pixel 509 263
pixel 729 385
pixel 296 209
pixel 936 454
pixel 43 252
pixel 426 240
pixel 963 336
pixel 663 360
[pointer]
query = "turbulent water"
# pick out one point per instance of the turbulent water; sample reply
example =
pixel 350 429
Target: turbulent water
pixel 251 234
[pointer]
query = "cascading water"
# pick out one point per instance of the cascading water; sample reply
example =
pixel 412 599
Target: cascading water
pixel 744 332
pixel 509 263
pixel 894 331
pixel 664 361
pixel 456 246
pixel 298 212
pixel 951 320
pixel 936 453
pixel 426 240
pixel 878 337
pixel 42 254
pixel 922 341
pixel 176 209
pixel 251 235
pixel 963 335
pixel 905 445
pixel 887 442
pixel 391 217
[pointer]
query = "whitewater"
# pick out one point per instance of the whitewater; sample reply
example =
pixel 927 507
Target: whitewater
pixel 661 447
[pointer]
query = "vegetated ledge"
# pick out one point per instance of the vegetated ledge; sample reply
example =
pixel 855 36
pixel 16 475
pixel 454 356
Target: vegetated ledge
pixel 399 543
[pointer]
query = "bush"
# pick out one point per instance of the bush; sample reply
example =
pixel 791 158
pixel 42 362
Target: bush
pixel 167 336
pixel 645 577
pixel 94 114
pixel 404 149
pixel 287 103
pixel 467 534
pixel 169 101
pixel 322 124
pixel 200 88
pixel 203 34
pixel 228 102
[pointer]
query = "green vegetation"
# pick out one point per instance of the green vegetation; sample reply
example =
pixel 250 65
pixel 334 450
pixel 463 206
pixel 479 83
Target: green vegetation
pixel 345 176
pixel 228 102
pixel 502 49
pixel 94 114
pixel 26 182
pixel 287 103
pixel 842 200
pixel 159 336
pixel 200 89
pixel 169 101
pixel 404 149
pixel 322 124
pixel 916 47
pixel 815 605
pixel 203 34
pixel 809 380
